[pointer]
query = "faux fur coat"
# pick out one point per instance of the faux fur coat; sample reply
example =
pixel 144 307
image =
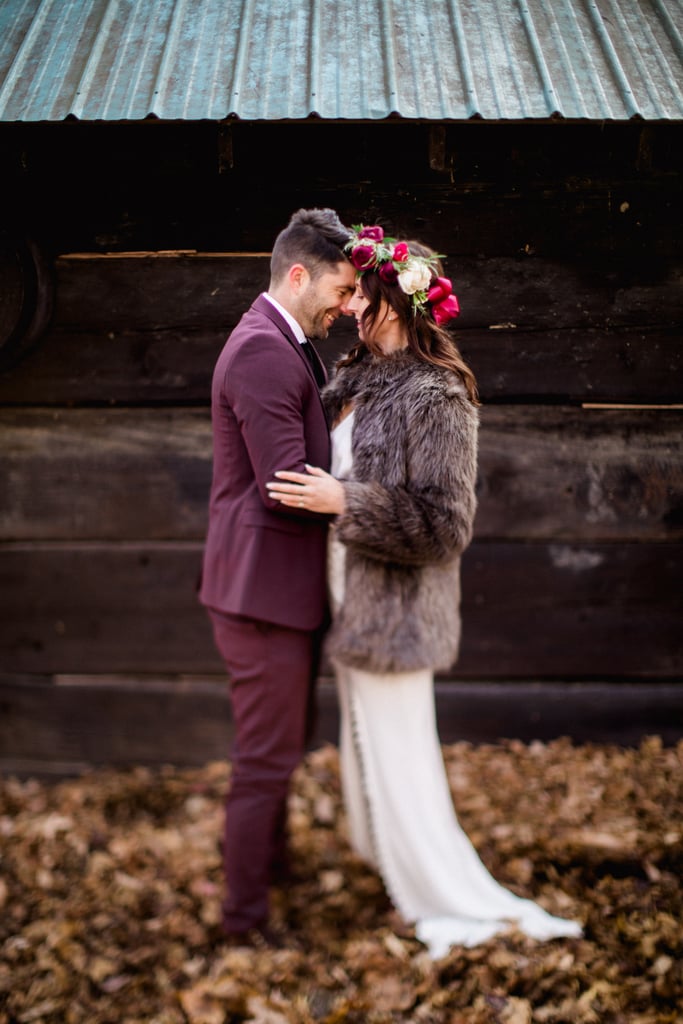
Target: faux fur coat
pixel 410 507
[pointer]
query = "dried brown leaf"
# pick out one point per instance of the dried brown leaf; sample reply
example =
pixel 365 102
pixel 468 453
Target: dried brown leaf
pixel 111 888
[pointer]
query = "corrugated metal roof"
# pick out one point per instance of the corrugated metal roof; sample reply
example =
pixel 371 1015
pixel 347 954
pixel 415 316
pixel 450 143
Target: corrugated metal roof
pixel 353 59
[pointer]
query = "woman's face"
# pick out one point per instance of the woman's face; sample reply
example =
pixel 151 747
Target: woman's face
pixel 375 335
pixel 357 305
pixel 386 334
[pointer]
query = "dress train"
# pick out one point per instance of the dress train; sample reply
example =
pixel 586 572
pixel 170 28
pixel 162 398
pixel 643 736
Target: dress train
pixel 398 802
pixel 402 821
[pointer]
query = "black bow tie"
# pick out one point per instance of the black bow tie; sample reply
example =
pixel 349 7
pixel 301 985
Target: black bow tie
pixel 314 360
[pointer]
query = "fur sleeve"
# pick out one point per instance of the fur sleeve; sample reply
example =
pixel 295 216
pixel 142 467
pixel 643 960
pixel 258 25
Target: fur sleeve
pixel 342 389
pixel 427 517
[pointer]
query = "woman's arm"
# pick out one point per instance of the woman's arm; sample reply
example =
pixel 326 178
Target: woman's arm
pixel 429 519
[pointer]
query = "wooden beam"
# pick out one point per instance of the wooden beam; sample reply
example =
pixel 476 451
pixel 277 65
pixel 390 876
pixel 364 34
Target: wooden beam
pixel 545 473
pixel 149 327
pixel 151 291
pixel 552 610
pixel 59 726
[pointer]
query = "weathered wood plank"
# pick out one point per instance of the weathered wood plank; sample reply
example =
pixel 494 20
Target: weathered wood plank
pixel 92 607
pixel 60 726
pixel 104 474
pixel 174 366
pixel 94 721
pixel 154 291
pixel 545 473
pixel 149 329
pixel 587 712
pixel 576 365
pixel 610 611
pixel 201 289
pixel 572 610
pixel 580 474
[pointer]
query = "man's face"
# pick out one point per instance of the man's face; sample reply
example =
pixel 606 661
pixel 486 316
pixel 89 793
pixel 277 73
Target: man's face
pixel 325 298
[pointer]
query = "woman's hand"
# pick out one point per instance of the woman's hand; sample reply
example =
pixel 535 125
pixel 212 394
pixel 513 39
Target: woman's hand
pixel 314 490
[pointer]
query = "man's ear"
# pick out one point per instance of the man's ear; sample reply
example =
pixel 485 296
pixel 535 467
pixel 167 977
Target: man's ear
pixel 298 278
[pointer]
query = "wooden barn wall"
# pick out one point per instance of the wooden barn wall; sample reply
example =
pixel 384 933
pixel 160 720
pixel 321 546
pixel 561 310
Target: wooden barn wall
pixel 563 241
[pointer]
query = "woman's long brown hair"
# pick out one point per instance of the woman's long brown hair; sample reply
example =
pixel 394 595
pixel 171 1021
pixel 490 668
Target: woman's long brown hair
pixel 426 338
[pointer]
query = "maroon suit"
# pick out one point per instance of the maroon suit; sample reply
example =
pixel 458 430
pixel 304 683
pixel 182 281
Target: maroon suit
pixel 263 582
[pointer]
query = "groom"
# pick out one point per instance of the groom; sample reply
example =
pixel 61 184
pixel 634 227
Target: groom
pixel 263 579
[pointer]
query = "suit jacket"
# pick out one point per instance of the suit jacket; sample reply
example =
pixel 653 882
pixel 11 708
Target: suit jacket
pixel 260 560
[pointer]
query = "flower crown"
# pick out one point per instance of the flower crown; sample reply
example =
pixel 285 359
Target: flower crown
pixel 370 250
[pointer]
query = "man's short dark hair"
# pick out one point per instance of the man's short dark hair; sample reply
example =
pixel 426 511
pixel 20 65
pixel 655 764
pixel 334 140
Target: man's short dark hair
pixel 314 238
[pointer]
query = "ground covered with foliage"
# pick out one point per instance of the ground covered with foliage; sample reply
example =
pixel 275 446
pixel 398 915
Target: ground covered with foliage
pixel 110 889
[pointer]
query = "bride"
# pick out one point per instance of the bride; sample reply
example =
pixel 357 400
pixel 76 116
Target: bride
pixel 403 408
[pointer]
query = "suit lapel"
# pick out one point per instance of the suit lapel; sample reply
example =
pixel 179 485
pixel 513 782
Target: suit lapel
pixel 262 305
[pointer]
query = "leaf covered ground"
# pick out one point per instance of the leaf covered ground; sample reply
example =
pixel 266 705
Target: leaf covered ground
pixel 110 889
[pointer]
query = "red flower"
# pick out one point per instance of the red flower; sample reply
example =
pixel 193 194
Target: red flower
pixel 444 304
pixel 440 290
pixel 446 310
pixel 400 253
pixel 376 233
pixel 388 273
pixel 363 257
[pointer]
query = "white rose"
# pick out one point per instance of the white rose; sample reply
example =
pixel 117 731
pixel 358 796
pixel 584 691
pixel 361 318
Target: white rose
pixel 414 279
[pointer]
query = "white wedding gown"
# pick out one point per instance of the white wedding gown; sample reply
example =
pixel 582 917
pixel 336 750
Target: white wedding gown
pixel 400 812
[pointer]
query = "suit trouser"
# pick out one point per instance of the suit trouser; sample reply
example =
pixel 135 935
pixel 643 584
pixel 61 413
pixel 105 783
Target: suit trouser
pixel 271 669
